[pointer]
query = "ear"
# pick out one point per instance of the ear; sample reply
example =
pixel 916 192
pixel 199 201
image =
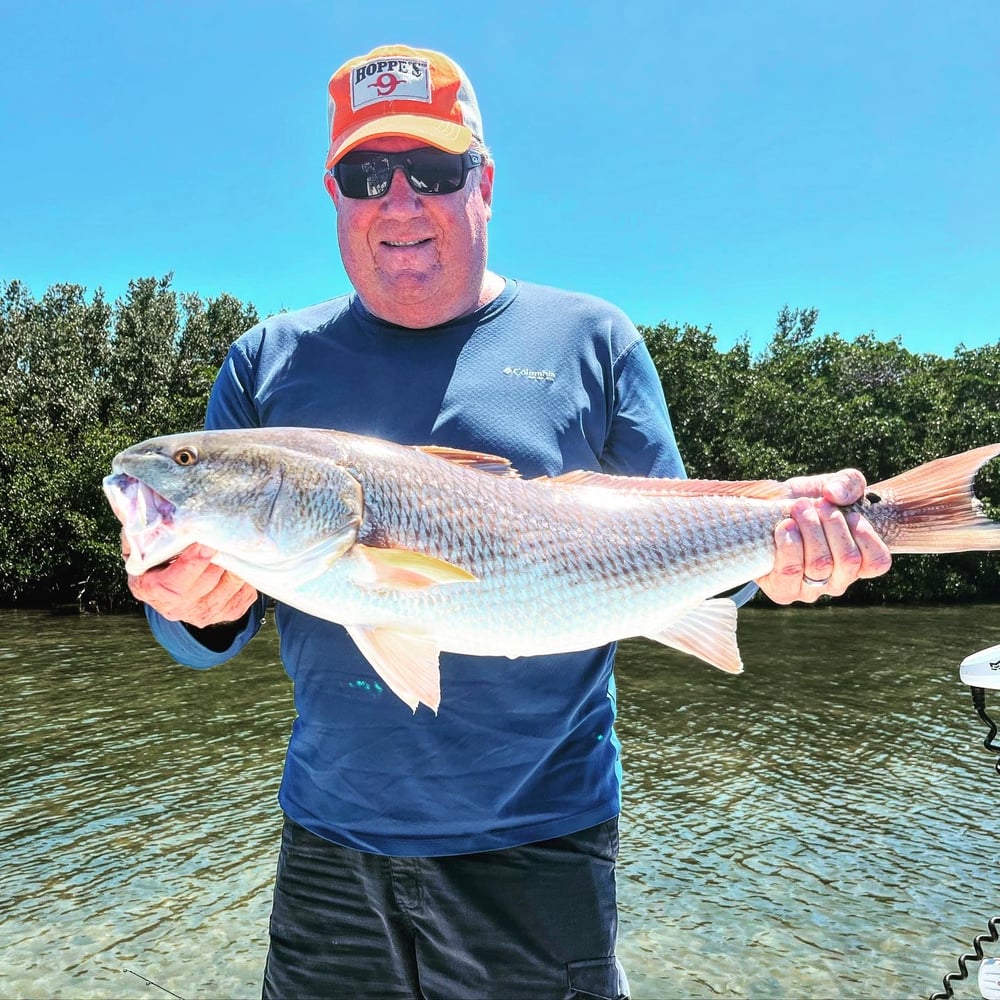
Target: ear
pixel 486 187
pixel 331 188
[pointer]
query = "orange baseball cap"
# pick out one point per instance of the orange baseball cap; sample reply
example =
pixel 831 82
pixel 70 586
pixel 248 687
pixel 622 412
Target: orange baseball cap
pixel 398 90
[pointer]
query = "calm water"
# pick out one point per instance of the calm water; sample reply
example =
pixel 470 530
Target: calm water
pixel 823 826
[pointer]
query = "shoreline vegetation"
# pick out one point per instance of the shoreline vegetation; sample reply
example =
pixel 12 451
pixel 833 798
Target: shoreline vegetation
pixel 82 378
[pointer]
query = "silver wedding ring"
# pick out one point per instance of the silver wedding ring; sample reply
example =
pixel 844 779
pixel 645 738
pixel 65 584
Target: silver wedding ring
pixel 815 583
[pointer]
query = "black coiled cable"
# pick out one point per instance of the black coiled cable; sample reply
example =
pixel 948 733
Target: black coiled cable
pixel 979 703
pixel 976 955
pixel 993 932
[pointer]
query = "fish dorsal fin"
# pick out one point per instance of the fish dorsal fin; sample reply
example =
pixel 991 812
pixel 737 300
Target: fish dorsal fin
pixel 479 460
pixel 404 569
pixel 708 632
pixel 406 661
pixel 760 489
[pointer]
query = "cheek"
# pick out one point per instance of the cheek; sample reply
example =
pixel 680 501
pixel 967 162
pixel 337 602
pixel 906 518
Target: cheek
pixel 352 229
pixel 477 216
pixel 459 222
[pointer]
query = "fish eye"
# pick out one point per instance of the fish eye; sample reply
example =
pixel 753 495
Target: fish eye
pixel 186 456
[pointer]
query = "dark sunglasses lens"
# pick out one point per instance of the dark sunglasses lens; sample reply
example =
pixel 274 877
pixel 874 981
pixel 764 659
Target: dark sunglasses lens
pixel 432 171
pixel 361 175
pixel 429 171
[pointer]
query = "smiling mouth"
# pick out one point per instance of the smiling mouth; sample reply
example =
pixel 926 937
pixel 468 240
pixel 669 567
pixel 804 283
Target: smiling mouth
pixel 405 244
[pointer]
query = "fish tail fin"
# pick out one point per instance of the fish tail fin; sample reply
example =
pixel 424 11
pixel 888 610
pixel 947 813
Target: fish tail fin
pixel 933 508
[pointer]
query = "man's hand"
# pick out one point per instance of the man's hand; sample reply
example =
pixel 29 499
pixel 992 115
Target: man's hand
pixel 192 589
pixel 820 549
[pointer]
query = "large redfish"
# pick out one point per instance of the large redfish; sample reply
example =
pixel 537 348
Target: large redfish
pixel 418 550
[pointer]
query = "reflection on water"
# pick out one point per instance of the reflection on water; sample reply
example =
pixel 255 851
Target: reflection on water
pixel 823 826
pixel 139 822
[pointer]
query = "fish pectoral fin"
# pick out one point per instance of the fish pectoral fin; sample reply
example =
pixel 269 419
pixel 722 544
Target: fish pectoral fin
pixel 708 632
pixel 403 569
pixel 406 661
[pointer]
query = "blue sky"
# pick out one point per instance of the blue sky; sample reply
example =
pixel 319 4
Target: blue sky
pixel 703 162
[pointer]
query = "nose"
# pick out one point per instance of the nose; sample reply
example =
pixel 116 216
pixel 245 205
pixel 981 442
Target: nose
pixel 400 199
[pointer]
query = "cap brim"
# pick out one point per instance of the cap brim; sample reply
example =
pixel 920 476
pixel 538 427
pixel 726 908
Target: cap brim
pixel 449 136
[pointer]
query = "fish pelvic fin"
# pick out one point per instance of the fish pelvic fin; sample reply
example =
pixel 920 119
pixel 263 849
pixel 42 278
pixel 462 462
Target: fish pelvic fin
pixel 403 569
pixel 406 661
pixel 933 508
pixel 708 632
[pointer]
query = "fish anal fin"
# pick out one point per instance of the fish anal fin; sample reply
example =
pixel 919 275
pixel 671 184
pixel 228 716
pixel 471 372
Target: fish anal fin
pixel 404 569
pixel 407 662
pixel 479 460
pixel 759 489
pixel 708 632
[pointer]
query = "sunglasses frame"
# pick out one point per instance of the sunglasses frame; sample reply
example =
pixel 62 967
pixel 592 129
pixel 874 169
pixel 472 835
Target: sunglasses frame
pixel 401 161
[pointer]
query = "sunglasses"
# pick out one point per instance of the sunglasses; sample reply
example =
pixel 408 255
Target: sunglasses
pixel 362 174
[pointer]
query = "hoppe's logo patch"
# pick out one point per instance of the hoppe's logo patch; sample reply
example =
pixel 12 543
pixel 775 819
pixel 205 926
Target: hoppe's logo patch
pixel 390 80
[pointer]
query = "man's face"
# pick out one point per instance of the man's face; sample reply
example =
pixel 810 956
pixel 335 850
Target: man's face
pixel 416 260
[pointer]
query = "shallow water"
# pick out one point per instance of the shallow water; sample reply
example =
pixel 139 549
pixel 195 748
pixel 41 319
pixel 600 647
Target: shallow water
pixel 823 826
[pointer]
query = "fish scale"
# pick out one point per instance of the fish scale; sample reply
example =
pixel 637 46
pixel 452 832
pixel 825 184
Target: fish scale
pixel 421 550
pixel 541 588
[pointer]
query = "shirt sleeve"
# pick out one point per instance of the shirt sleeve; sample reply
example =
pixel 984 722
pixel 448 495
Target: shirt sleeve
pixel 230 405
pixel 175 638
pixel 231 402
pixel 640 440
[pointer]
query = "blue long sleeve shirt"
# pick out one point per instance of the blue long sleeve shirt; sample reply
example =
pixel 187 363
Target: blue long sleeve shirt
pixel 521 749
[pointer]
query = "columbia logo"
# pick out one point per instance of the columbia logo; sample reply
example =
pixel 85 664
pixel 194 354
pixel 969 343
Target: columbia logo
pixel 537 375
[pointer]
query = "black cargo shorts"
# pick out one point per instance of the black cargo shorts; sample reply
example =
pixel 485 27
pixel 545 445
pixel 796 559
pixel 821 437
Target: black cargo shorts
pixel 535 921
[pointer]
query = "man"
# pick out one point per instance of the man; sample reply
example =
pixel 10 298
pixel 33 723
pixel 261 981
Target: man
pixel 471 853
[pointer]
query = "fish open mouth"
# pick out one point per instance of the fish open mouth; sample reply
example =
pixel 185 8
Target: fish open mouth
pixel 148 519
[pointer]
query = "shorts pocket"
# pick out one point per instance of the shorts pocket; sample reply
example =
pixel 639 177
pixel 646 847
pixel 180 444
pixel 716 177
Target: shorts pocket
pixel 600 978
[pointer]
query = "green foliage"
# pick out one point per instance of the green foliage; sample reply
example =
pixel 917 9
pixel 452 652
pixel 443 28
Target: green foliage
pixel 79 381
pixel 814 403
